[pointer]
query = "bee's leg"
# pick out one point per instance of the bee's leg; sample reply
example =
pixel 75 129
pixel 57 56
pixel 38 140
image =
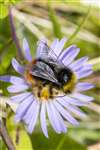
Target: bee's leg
pixel 45 94
pixel 51 91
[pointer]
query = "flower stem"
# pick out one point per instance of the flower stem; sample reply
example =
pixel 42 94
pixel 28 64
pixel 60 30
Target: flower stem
pixel 5 136
pixel 14 36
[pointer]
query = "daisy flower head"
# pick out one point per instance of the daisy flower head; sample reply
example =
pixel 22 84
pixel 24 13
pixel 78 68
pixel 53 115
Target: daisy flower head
pixel 49 86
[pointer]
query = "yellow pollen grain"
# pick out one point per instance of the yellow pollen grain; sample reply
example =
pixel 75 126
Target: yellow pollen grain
pixel 45 94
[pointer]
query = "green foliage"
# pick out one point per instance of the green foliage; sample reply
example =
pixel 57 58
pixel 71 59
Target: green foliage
pixel 54 142
pixel 55 23
pixel 2 145
pixel 79 27
pixel 3 11
pixel 85 135
pixel 71 1
pixel 4 7
pixel 97 64
pixel 19 136
pixel 7 58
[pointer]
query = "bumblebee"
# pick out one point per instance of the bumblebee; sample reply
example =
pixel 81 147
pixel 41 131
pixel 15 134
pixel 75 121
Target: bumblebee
pixel 49 79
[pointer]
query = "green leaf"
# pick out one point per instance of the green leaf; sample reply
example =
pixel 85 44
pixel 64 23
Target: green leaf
pixel 24 141
pixel 56 25
pixel 14 1
pixel 4 5
pixel 71 1
pixel 19 136
pixel 96 63
pixel 3 11
pixel 71 38
pixel 2 145
pixel 85 135
pixel 7 55
pixel 54 142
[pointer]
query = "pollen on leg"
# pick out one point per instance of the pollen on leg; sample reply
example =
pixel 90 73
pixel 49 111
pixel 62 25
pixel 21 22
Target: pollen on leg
pixel 45 94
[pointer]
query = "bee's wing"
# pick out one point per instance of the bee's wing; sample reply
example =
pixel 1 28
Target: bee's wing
pixel 45 52
pixel 43 71
pixel 42 49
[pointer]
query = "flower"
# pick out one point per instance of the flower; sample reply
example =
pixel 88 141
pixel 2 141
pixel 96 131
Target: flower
pixel 65 103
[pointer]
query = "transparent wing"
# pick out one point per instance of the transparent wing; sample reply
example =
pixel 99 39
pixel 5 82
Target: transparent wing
pixel 42 70
pixel 42 49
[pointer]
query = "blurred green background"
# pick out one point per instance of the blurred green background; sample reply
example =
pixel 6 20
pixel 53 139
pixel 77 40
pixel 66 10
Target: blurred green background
pixel 34 20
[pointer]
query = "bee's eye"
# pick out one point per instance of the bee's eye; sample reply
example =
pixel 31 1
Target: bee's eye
pixel 64 76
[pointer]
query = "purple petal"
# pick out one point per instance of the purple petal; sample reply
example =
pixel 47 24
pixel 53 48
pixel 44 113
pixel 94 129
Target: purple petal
pixel 82 97
pixel 20 97
pixel 84 68
pixel 65 113
pixel 42 49
pixel 59 46
pixel 52 118
pixel 16 80
pixel 28 116
pixel 17 88
pixel 84 74
pixel 58 119
pixel 27 50
pixel 62 101
pixel 73 101
pixel 12 79
pixel 54 44
pixel 84 71
pixel 23 107
pixel 61 121
pixel 71 108
pixel 20 69
pixel 43 119
pixel 70 57
pixel 78 63
pixel 34 118
pixel 66 52
pixel 53 47
pixel 83 86
pixel 76 111
pixel 5 78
